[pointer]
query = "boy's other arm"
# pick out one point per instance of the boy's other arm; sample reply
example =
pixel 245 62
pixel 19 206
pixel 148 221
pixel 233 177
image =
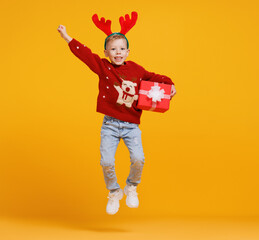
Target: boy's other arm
pixel 153 77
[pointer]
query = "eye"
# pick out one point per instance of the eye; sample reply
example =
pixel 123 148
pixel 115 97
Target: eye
pixel 113 49
pixel 122 48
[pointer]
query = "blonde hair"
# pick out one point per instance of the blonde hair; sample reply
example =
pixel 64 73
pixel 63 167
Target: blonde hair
pixel 115 37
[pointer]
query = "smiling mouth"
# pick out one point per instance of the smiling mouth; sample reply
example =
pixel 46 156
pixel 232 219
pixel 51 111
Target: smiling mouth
pixel 117 59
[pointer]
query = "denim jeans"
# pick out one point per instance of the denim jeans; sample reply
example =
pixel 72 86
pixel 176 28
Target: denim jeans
pixel 111 132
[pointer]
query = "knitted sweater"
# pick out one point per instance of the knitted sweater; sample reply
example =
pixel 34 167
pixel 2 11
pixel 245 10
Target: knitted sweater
pixel 118 84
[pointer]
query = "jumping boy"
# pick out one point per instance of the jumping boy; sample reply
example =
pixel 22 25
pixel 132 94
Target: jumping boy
pixel 119 82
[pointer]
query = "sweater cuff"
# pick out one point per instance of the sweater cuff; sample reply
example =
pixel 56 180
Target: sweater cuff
pixel 71 42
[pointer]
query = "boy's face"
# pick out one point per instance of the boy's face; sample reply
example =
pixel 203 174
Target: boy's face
pixel 116 51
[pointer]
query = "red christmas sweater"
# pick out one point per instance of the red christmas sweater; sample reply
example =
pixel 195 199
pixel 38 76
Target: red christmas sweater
pixel 118 84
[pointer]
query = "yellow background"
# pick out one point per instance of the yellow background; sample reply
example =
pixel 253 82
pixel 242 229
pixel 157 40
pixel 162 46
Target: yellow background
pixel 201 156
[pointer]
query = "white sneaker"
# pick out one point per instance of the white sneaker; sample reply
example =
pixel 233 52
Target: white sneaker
pixel 132 196
pixel 113 204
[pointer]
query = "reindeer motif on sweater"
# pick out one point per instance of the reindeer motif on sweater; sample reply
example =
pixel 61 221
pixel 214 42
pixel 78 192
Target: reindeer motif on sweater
pixel 127 93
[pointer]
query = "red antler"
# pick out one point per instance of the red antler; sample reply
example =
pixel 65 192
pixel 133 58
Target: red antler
pixel 127 23
pixel 101 24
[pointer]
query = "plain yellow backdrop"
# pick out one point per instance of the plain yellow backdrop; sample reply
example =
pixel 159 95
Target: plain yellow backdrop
pixel 201 156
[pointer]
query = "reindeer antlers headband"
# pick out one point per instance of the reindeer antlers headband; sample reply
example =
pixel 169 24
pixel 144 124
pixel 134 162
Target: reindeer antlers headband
pixel 126 25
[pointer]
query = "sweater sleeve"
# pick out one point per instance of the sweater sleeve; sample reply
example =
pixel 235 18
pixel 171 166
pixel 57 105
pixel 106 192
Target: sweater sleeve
pixel 93 61
pixel 153 77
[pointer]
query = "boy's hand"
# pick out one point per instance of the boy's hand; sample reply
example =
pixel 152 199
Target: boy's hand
pixel 173 91
pixel 62 30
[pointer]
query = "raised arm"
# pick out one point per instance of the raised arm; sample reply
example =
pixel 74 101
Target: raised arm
pixel 93 61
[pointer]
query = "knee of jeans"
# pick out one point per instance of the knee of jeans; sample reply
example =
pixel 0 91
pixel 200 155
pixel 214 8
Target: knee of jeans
pixel 137 160
pixel 109 171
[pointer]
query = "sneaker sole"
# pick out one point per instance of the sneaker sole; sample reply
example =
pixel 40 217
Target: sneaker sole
pixel 132 206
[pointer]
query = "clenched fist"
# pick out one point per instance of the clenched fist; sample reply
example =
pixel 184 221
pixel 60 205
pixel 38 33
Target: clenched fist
pixel 62 30
pixel 63 33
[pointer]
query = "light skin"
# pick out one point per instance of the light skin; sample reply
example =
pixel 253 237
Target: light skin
pixel 116 50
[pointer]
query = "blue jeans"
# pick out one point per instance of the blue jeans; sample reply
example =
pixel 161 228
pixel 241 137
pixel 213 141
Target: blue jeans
pixel 111 132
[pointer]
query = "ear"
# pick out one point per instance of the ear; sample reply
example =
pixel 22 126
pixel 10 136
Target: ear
pixel 128 52
pixel 134 84
pixel 105 53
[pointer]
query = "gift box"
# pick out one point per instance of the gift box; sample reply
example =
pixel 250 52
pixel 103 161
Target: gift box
pixel 154 96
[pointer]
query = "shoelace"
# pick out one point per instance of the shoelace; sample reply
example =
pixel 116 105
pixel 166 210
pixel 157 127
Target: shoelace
pixel 132 192
pixel 112 197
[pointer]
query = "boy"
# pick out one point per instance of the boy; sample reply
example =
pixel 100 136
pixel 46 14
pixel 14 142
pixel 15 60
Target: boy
pixel 118 93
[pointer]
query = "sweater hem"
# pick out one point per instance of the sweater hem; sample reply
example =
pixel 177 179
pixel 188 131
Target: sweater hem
pixel 119 117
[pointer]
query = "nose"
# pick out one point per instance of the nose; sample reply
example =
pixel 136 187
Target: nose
pixel 127 89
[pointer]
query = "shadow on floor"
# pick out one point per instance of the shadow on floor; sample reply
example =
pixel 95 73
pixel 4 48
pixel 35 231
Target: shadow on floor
pixel 100 224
